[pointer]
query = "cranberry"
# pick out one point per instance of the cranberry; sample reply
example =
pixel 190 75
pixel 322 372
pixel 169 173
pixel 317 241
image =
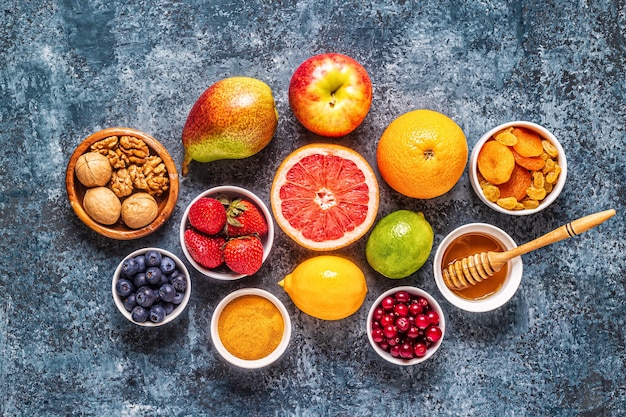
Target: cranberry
pixel 422 321
pixel 394 341
pixel 433 333
pixel 433 317
pixel 402 297
pixel 415 309
pixel 395 351
pixel 402 323
pixel 401 309
pixel 378 335
pixel 388 303
pixel 412 332
pixel 424 303
pixel 387 320
pixel 419 349
pixel 390 331
pixel 405 326
pixel 378 314
pixel 406 350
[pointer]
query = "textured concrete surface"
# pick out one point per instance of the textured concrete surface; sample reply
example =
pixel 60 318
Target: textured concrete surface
pixel 69 68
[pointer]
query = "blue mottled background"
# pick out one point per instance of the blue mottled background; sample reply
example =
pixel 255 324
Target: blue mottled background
pixel 70 68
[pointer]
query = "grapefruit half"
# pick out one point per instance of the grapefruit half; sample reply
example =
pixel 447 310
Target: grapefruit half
pixel 324 196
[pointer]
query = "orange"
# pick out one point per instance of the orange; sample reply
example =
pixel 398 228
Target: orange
pixel 324 196
pixel 422 154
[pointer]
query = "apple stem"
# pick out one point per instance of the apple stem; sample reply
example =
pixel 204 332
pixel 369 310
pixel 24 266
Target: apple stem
pixel 333 99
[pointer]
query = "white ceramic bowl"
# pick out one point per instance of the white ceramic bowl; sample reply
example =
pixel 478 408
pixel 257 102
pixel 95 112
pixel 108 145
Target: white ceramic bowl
pixel 414 291
pixel 177 310
pixel 510 284
pixel 231 192
pixel 243 363
pixel 545 134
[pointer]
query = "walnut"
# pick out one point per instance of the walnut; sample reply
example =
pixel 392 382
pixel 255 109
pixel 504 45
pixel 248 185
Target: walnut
pixel 93 169
pixel 117 158
pixel 105 145
pixel 121 183
pixel 156 175
pixel 157 185
pixel 137 177
pixel 139 210
pixel 154 165
pixel 135 148
pixel 102 205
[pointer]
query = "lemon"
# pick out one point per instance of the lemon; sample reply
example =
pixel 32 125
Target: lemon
pixel 399 244
pixel 326 287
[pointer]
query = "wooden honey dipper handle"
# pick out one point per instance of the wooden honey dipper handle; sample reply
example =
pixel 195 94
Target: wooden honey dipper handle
pixel 472 269
pixel 571 229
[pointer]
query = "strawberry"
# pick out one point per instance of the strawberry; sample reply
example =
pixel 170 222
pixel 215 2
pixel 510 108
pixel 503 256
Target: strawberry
pixel 208 215
pixel 244 255
pixel 205 250
pixel 244 218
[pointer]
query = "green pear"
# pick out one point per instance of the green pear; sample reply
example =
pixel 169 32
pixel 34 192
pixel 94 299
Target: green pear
pixel 233 119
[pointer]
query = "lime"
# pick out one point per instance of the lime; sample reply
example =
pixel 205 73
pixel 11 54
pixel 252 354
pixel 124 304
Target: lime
pixel 399 244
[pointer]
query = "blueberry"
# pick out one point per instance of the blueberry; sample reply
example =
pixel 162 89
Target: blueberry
pixel 178 298
pixel 153 258
pixel 145 296
pixel 124 287
pixel 141 262
pixel 165 279
pixel 129 267
pixel 168 307
pixel 139 314
pixel 130 302
pixel 167 293
pixel 140 280
pixel 153 275
pixel 157 313
pixel 157 296
pixel 167 265
pixel 179 282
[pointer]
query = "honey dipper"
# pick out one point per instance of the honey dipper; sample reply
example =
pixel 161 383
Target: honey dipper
pixel 464 273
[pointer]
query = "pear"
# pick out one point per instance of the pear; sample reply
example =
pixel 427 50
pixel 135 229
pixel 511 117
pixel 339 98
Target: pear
pixel 233 119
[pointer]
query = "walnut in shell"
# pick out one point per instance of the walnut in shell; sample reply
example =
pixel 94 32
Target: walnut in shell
pixel 139 210
pixel 93 169
pixel 102 205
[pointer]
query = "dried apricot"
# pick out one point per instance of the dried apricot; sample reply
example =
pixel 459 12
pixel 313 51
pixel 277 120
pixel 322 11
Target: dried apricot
pixel 517 185
pixel 505 137
pixel 495 162
pixel 528 142
pixel 533 163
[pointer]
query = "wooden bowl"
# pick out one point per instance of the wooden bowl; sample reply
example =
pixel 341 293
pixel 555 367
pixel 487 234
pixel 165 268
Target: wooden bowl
pixel 166 201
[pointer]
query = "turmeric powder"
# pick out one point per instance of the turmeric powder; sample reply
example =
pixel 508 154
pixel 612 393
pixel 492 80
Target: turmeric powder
pixel 250 327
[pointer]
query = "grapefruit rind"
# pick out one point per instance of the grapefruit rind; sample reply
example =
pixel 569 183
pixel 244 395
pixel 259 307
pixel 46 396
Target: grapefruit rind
pixel 280 205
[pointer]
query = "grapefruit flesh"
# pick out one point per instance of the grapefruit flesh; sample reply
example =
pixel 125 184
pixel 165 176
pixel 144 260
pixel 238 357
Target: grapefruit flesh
pixel 325 196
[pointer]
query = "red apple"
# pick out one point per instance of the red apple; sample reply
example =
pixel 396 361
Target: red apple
pixel 330 94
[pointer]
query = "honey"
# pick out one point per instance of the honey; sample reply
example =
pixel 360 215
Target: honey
pixel 470 244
